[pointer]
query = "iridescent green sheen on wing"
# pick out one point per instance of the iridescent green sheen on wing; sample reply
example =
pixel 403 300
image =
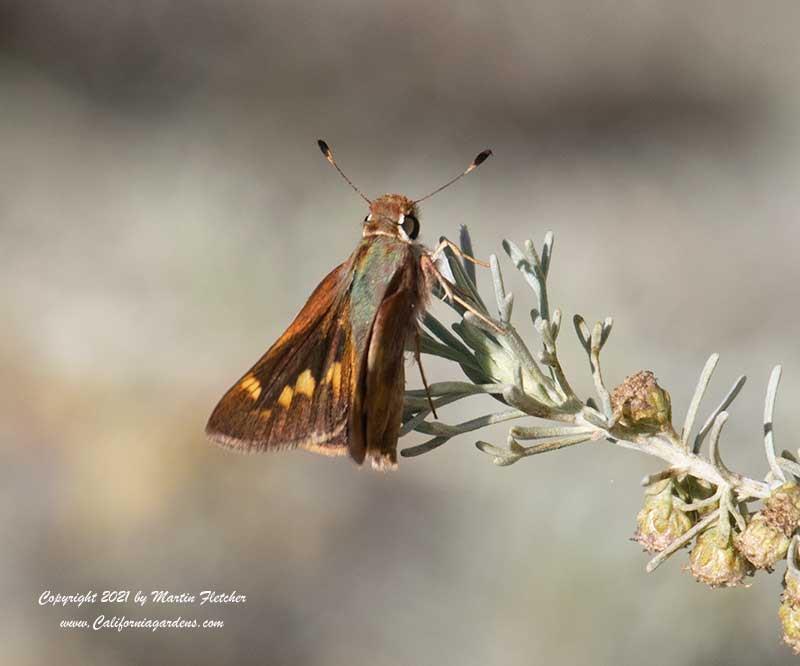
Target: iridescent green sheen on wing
pixel 378 260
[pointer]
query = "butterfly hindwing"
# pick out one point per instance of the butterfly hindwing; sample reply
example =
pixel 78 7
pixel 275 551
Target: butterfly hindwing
pixel 385 372
pixel 385 295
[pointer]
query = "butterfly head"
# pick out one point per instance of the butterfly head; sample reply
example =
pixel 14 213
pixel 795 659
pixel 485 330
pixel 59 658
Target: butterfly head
pixel 392 215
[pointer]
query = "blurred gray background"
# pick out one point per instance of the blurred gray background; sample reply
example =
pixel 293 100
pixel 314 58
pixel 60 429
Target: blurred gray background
pixel 165 212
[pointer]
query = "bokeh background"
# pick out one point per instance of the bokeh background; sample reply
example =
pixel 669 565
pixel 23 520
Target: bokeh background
pixel 165 212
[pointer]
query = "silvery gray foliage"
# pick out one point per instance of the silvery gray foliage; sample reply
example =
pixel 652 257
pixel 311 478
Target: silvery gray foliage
pixel 529 382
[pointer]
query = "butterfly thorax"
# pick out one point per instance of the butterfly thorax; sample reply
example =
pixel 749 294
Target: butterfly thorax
pixel 392 215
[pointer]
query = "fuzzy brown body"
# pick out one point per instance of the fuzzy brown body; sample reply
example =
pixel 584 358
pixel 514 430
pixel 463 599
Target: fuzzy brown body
pixel 333 382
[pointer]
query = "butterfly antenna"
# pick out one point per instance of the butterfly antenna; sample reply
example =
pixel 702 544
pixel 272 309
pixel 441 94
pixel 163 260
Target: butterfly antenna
pixel 329 156
pixel 480 158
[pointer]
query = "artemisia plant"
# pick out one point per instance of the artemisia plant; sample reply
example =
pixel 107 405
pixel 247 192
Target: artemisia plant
pixel 734 524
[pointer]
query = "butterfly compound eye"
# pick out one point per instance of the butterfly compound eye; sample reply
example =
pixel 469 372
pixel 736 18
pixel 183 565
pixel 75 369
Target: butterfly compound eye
pixel 411 226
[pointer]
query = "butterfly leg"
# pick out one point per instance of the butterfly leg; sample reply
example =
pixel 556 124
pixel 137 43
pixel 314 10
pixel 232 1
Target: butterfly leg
pixel 429 266
pixel 444 244
pixel 418 356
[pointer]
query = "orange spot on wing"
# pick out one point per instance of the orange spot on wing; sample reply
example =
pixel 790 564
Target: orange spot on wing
pixel 252 386
pixel 305 384
pixel 285 398
pixel 334 377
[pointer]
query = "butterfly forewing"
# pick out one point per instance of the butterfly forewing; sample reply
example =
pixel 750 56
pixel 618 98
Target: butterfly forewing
pixel 298 394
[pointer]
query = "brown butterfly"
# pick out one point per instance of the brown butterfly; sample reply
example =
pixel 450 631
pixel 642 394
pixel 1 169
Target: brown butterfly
pixel 333 383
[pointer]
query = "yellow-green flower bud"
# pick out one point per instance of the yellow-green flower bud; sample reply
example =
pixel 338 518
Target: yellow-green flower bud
pixel 766 538
pixel 789 612
pixel 790 619
pixel 762 543
pixel 782 508
pixel 791 589
pixel 715 564
pixel 660 522
pixel 640 404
